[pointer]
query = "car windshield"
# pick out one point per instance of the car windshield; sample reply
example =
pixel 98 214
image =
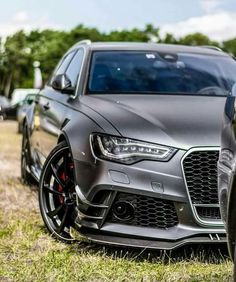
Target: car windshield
pixel 128 72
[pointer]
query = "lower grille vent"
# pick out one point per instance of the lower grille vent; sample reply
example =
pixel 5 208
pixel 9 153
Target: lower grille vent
pixel 143 211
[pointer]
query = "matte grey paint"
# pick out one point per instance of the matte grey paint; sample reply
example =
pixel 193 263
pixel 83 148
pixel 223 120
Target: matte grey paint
pixel 183 122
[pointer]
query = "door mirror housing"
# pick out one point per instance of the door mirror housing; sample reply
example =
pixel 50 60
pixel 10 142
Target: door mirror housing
pixel 62 83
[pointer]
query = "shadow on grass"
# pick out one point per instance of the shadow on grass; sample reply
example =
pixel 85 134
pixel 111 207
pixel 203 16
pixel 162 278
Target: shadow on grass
pixel 214 254
pixel 204 253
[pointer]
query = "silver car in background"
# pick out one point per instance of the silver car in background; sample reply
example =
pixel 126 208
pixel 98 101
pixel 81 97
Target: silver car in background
pixel 22 109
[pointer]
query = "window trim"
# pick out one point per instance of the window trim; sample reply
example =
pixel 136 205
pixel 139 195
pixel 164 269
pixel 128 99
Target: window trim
pixel 77 78
pixel 80 75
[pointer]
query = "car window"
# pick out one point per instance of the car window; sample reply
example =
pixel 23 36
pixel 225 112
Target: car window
pixel 62 66
pixel 160 73
pixel 74 68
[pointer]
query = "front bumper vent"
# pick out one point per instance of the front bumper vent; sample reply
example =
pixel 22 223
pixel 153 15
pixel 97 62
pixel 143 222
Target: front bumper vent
pixel 147 211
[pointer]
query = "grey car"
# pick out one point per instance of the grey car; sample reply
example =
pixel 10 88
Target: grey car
pixel 124 142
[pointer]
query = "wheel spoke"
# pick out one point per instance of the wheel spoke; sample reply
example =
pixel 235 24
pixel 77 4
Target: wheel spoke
pixel 51 214
pixel 57 177
pixel 50 190
pixel 65 164
pixel 63 221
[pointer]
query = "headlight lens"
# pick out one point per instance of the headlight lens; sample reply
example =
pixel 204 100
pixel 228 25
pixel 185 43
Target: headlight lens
pixel 124 150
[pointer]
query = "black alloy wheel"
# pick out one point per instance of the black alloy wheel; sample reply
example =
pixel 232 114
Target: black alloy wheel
pixel 57 196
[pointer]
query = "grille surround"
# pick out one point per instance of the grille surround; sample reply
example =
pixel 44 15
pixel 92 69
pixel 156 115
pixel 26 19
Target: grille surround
pixel 149 212
pixel 204 198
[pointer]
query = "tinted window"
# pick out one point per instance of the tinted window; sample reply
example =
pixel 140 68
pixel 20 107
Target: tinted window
pixel 75 67
pixel 64 64
pixel 153 72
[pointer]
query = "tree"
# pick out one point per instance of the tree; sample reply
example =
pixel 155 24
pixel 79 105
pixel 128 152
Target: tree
pixel 16 61
pixel 197 39
pixel 20 50
pixel 230 46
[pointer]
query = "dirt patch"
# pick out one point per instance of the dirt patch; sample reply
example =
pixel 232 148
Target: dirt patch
pixel 10 144
pixel 14 195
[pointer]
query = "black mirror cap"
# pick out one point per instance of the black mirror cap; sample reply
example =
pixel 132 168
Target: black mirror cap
pixel 62 83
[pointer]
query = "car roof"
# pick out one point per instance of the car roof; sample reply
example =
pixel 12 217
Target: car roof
pixel 136 46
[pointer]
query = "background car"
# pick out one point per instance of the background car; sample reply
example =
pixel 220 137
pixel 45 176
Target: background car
pixel 17 97
pixel 19 94
pixel 22 109
pixel 4 102
pixel 124 142
pixel 227 174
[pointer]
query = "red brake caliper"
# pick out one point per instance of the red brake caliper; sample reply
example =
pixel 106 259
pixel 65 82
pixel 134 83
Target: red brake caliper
pixel 64 177
pixel 60 189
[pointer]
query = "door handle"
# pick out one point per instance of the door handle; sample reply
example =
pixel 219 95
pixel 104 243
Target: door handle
pixel 46 106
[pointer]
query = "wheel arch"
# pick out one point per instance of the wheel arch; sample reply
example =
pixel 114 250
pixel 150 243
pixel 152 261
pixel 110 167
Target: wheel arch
pixel 62 137
pixel 77 132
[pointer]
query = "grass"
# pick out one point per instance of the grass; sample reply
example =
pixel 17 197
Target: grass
pixel 28 253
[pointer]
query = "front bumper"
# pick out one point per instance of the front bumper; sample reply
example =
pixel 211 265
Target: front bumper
pixel 152 244
pixel 101 182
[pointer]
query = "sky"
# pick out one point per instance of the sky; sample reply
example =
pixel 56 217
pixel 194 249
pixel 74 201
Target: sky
pixel 215 18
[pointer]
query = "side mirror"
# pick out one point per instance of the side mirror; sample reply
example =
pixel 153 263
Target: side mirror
pixel 62 83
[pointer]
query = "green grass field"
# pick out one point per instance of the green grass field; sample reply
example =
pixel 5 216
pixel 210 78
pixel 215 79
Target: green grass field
pixel 28 253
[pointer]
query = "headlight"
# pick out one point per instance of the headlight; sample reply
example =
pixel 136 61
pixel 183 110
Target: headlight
pixel 128 151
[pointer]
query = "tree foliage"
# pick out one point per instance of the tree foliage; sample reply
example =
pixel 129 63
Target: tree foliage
pixel 21 49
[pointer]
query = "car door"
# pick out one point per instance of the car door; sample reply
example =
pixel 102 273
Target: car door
pixel 53 106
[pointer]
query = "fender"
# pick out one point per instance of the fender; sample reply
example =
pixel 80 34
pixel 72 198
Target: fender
pixel 77 127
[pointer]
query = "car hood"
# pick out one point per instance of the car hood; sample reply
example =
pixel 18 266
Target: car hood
pixel 180 121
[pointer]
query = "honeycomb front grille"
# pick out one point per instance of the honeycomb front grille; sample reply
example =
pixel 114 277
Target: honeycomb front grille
pixel 148 211
pixel 200 168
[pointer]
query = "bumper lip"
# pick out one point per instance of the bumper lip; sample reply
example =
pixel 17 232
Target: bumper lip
pixel 96 230
pixel 92 213
pixel 118 241
pixel 202 222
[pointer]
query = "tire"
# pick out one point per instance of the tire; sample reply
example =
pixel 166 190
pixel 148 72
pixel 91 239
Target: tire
pixel 26 177
pixel 57 197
